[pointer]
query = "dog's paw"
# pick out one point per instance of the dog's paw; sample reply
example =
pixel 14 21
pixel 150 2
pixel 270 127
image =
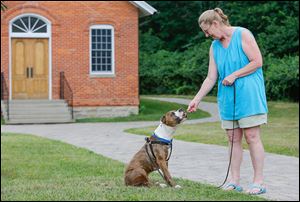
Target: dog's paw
pixel 163 185
pixel 178 187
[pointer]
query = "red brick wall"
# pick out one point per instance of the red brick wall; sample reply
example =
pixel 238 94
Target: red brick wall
pixel 70 23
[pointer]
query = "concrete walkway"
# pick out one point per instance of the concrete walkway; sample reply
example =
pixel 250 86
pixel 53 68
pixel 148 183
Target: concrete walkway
pixel 194 161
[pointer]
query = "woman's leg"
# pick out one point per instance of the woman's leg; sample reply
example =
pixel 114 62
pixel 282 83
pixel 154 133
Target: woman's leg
pixel 257 154
pixel 237 154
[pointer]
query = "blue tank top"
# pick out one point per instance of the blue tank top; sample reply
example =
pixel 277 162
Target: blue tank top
pixel 250 89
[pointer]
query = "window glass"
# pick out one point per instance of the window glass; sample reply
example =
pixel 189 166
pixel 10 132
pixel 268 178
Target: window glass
pixel 101 50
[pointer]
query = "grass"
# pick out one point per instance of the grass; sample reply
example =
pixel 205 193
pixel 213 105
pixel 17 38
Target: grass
pixel 280 135
pixel 34 168
pixel 205 99
pixel 150 110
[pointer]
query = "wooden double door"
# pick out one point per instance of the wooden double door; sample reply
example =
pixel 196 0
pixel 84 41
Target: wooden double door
pixel 30 68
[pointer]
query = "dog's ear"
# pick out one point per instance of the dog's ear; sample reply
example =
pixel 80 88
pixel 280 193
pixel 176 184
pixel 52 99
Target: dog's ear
pixel 163 119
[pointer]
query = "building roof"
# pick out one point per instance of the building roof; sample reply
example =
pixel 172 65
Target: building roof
pixel 144 8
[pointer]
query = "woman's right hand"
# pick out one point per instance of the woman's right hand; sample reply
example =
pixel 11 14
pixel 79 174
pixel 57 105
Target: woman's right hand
pixel 193 106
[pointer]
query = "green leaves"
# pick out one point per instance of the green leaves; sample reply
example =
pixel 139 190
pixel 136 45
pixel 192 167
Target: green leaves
pixel 282 78
pixel 174 51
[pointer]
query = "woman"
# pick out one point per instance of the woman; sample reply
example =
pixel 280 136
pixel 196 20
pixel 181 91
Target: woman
pixel 236 62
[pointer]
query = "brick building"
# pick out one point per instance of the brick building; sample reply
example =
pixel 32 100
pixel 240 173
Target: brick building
pixel 93 45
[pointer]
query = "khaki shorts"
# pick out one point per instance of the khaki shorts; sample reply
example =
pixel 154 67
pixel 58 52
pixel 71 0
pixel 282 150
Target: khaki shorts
pixel 246 122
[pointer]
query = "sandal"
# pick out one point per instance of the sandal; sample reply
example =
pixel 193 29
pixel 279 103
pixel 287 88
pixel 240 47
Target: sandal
pixel 261 188
pixel 236 187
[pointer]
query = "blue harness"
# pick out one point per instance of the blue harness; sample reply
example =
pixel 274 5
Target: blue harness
pixel 158 140
pixel 162 139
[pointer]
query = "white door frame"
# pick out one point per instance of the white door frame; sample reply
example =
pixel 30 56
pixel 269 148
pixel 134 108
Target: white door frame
pixel 29 34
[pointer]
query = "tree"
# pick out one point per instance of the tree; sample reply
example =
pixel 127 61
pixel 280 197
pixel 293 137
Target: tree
pixel 174 51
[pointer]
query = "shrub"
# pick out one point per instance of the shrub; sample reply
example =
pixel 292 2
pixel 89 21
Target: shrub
pixel 165 72
pixel 282 78
pixel 174 72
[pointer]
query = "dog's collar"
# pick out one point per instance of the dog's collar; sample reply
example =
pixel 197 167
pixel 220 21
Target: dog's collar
pixel 164 131
pixel 162 139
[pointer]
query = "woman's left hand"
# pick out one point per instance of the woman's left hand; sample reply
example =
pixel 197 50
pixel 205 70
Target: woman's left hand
pixel 229 80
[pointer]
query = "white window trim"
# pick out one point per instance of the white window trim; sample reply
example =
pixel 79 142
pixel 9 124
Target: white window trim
pixel 31 35
pixel 103 74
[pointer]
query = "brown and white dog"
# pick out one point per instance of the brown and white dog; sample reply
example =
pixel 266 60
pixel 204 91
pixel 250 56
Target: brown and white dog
pixel 144 162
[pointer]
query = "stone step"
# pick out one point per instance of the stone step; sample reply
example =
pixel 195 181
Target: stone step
pixel 36 101
pixel 39 116
pixel 37 111
pixel 39 121
pixel 36 105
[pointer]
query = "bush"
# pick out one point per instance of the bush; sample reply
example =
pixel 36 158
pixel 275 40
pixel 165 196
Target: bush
pixel 166 72
pixel 282 78
pixel 159 72
pixel 149 42
pixel 280 39
pixel 185 90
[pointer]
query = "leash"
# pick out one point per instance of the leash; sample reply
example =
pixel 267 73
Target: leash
pixel 234 95
pixel 149 143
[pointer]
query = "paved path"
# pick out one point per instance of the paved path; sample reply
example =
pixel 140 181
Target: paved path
pixel 194 161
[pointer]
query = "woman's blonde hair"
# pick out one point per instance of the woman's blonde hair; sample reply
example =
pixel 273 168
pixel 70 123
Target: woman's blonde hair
pixel 215 14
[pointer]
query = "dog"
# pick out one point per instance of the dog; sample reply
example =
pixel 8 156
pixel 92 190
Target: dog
pixel 148 159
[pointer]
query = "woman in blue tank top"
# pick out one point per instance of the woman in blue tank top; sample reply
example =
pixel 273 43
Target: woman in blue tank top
pixel 235 61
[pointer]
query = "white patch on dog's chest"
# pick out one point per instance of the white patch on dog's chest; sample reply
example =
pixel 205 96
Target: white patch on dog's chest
pixel 164 131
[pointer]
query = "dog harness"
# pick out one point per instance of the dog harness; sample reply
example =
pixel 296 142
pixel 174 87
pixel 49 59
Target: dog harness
pixel 162 135
pixel 161 141
pixel 157 141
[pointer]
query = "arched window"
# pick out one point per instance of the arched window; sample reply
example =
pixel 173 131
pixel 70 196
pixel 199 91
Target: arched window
pixel 30 25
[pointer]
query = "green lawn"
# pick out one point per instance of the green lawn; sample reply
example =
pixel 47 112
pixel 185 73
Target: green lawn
pixel 150 110
pixel 280 135
pixel 34 168
pixel 207 98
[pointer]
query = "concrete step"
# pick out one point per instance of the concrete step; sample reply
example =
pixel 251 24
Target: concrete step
pixel 36 101
pixel 39 121
pixel 3 110
pixel 36 105
pixel 37 111
pixel 48 110
pixel 39 116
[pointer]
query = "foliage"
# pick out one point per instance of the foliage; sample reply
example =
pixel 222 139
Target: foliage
pixel 282 77
pixel 176 22
pixel 174 72
pixel 174 52
pixel 149 42
pixel 157 70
